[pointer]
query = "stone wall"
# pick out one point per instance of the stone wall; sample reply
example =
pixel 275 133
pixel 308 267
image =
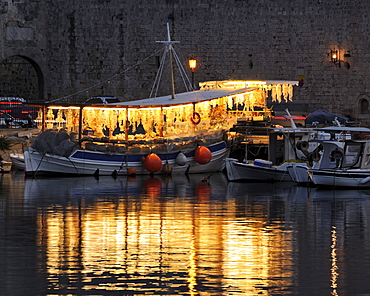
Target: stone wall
pixel 107 47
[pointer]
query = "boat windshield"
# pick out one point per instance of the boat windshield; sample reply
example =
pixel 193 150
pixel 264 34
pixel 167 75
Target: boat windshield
pixel 351 155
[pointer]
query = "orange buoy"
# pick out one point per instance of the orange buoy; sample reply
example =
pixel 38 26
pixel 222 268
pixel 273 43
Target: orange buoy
pixel 202 155
pixel 153 163
pixel 131 172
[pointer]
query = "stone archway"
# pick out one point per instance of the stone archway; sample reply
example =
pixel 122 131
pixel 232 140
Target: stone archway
pixel 363 104
pixel 21 76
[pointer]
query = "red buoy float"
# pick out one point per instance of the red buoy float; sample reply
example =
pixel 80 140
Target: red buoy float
pixel 153 163
pixel 202 155
pixel 131 172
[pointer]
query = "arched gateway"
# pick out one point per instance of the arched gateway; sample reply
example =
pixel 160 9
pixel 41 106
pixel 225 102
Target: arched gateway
pixel 21 76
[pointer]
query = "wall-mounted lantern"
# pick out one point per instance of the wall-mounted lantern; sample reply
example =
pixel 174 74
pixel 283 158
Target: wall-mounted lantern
pixel 335 58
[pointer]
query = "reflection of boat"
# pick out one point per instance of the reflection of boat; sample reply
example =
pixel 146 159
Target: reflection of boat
pixel 249 190
pixel 260 170
pixel 349 167
pixel 5 166
pixel 328 194
pixel 72 189
pixel 178 133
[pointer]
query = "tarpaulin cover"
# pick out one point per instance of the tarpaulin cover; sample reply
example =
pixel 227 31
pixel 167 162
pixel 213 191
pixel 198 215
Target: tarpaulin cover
pixel 322 116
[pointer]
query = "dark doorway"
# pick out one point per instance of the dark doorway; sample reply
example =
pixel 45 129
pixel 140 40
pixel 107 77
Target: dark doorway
pixel 21 77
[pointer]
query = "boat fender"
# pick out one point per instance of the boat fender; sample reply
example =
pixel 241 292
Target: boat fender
pixel 202 155
pixel 131 172
pixel 365 180
pixel 167 169
pixel 195 118
pixel 304 145
pixel 153 163
pixel 180 159
pixel 335 155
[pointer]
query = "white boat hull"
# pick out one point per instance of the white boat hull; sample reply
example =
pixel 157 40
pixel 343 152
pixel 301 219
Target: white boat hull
pixel 340 178
pixel 298 173
pixel 237 171
pixel 85 162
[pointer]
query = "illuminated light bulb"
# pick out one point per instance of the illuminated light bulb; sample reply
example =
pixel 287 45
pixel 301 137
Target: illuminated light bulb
pixel 192 64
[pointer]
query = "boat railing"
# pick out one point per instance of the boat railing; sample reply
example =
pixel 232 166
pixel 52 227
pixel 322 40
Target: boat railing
pixel 250 115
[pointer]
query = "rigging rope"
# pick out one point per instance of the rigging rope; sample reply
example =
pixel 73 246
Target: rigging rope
pixel 106 80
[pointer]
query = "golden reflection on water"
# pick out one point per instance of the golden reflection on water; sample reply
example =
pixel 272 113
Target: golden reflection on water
pixel 334 266
pixel 120 244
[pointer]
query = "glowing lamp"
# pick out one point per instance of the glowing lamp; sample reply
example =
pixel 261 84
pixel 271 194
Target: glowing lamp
pixel 202 155
pixel 334 56
pixel 153 163
pixel 192 64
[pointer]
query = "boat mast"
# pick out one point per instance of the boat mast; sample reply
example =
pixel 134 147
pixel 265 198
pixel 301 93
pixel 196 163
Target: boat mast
pixel 171 62
pixel 169 49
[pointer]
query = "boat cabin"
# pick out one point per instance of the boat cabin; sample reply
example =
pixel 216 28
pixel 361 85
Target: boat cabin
pixel 204 113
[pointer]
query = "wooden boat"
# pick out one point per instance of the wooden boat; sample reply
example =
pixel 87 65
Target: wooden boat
pixel 5 166
pixel 178 133
pixel 266 170
pixel 347 167
pixel 259 170
pixel 330 137
pixel 117 139
pixel 17 160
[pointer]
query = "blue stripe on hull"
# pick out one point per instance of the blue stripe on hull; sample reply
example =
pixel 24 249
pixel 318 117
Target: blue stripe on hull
pixel 120 158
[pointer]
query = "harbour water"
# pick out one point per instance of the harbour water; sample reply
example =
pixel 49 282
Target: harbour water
pixel 199 235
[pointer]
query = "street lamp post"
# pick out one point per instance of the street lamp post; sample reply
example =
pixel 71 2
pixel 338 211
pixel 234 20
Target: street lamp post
pixel 192 66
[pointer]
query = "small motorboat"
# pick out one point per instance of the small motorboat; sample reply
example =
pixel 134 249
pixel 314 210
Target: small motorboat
pixel 17 160
pixel 348 167
pixel 259 170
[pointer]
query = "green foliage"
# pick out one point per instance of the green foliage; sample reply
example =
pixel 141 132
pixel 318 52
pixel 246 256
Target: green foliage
pixel 4 143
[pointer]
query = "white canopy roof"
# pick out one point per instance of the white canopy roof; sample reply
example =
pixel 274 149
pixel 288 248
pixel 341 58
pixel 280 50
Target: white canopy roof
pixel 186 97
pixel 208 90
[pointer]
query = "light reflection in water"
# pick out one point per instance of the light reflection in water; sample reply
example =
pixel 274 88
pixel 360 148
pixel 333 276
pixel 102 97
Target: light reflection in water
pixel 153 241
pixel 334 266
pixel 179 236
